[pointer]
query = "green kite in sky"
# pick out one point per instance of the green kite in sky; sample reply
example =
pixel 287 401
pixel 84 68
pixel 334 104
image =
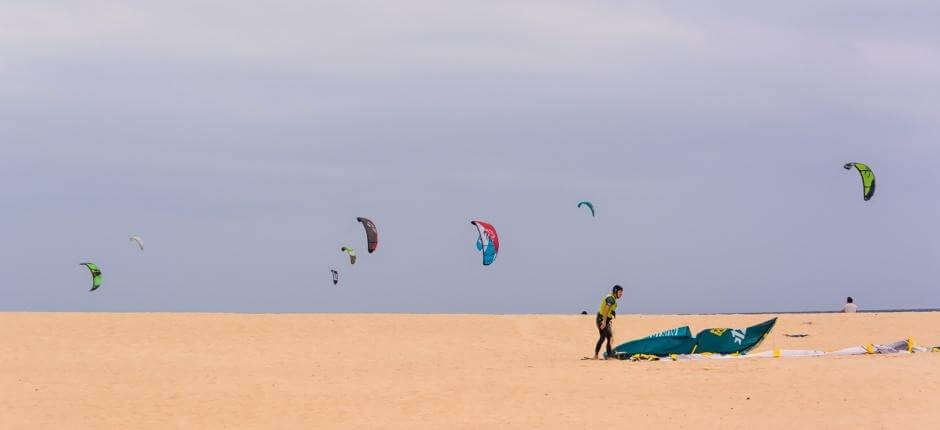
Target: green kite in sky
pixel 868 178
pixel 95 275
pixel 351 253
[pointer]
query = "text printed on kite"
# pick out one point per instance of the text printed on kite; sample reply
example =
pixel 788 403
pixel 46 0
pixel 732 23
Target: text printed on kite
pixel 868 178
pixel 488 241
pixel 95 275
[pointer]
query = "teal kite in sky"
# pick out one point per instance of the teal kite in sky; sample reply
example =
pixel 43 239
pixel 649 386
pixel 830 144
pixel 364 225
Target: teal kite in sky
pixel 589 206
pixel 95 275
pixel 868 178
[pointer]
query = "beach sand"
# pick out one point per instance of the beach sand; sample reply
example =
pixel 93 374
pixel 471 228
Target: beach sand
pixel 287 371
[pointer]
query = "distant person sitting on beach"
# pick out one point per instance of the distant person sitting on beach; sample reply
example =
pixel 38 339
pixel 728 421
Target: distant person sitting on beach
pixel 849 306
pixel 605 315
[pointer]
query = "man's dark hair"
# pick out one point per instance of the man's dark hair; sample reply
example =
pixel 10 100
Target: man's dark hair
pixel 617 288
pixel 848 299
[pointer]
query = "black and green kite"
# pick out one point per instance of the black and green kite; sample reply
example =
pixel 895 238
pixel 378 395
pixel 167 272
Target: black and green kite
pixel 868 178
pixel 95 275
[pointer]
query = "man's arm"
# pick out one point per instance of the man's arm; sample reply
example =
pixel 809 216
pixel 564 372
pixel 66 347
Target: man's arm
pixel 606 311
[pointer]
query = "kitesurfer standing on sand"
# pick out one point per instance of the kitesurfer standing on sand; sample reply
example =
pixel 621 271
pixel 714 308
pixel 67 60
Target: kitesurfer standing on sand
pixel 605 315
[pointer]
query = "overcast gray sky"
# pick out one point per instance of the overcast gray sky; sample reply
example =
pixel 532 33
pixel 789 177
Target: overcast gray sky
pixel 242 139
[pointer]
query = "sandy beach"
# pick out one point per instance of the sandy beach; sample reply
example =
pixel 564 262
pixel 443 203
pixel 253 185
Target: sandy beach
pixel 166 370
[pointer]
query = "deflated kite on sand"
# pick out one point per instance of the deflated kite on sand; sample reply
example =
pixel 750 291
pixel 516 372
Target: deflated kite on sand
pixel 678 344
pixel 711 340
